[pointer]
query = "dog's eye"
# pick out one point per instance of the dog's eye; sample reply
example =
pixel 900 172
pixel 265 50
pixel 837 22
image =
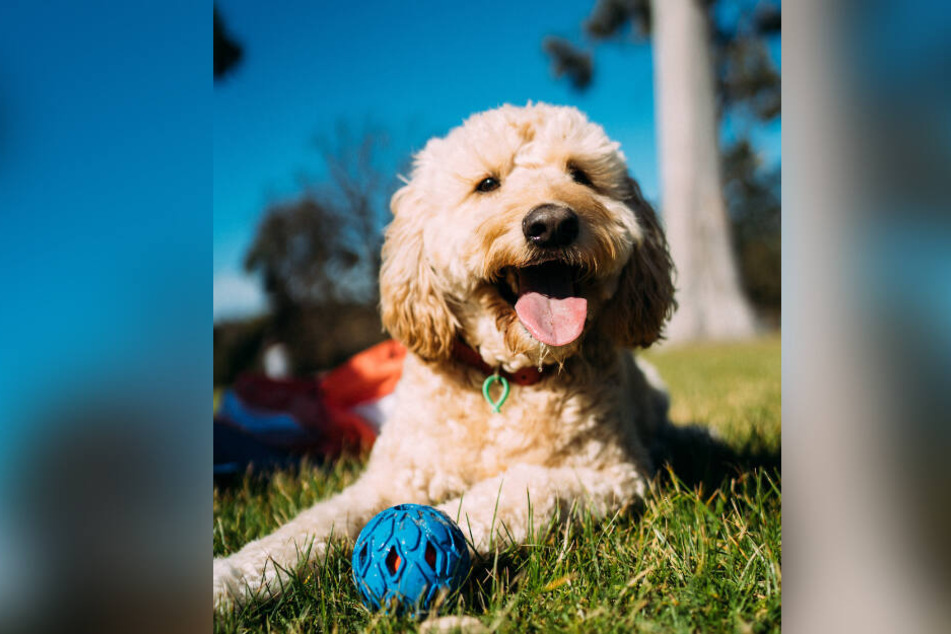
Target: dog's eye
pixel 488 184
pixel 578 175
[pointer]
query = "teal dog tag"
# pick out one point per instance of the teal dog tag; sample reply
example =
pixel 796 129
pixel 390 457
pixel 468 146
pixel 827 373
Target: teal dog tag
pixel 496 405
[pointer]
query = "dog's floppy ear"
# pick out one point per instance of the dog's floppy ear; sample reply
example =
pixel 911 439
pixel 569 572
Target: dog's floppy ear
pixel 412 306
pixel 644 300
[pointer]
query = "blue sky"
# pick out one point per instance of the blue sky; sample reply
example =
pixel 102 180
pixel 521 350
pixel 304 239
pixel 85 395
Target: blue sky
pixel 413 68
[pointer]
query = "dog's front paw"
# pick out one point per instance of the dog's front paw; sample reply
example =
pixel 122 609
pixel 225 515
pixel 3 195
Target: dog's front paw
pixel 227 583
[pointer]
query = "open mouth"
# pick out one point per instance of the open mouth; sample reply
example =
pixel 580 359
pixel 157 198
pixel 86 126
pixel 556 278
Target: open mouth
pixel 547 301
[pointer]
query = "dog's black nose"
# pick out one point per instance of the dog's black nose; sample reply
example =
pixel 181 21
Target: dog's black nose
pixel 550 226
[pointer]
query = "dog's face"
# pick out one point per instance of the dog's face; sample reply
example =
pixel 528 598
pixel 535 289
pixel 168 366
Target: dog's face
pixel 521 233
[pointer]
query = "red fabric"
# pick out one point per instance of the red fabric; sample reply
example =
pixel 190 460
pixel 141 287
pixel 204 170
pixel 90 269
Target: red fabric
pixel 366 376
pixel 298 397
pixel 331 430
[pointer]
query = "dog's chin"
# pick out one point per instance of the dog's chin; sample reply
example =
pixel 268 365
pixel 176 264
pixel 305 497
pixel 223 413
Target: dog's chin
pixel 533 315
pixel 540 354
pixel 508 344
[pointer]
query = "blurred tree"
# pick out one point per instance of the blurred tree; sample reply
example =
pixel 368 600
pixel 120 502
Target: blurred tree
pixel 569 61
pixel 324 247
pixel 303 254
pixel 227 50
pixel 319 255
pixel 753 196
pixel 702 68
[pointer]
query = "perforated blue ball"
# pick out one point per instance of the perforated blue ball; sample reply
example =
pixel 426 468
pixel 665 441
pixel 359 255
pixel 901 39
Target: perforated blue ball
pixel 406 555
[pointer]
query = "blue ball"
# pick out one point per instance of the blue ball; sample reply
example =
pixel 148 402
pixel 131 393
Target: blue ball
pixel 406 555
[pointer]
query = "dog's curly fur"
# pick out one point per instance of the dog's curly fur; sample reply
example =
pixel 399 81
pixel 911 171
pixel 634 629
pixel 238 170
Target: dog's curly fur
pixel 578 437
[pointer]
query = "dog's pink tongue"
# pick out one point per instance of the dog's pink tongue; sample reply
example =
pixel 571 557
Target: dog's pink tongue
pixel 546 306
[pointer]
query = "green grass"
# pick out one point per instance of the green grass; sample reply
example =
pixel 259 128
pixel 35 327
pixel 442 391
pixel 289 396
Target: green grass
pixel 702 555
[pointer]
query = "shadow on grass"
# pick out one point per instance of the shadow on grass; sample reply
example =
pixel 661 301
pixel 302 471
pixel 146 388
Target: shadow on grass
pixel 699 459
pixel 491 574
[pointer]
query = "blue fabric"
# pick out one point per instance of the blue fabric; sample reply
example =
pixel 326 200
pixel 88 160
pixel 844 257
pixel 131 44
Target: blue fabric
pixel 244 435
pixel 257 421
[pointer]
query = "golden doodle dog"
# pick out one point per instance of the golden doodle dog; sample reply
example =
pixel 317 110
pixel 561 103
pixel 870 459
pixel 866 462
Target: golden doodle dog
pixel 519 249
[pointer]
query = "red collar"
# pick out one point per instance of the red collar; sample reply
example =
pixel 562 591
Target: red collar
pixel 466 354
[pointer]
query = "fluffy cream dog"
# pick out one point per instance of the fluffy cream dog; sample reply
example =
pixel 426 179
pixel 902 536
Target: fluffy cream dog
pixel 520 246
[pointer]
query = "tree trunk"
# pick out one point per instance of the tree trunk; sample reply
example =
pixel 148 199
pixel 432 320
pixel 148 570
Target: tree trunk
pixel 712 305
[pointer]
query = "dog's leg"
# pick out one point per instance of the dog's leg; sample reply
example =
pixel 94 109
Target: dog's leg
pixel 526 498
pixel 262 566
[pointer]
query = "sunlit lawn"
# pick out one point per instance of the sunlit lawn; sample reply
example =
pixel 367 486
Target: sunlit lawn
pixel 702 555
